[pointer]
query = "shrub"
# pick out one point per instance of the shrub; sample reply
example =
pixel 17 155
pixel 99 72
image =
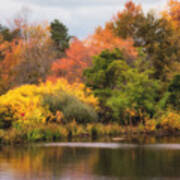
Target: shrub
pixel 170 121
pixel 50 132
pixel 141 128
pixel 35 135
pixel 37 104
pixel 150 125
pixel 82 113
pixel 71 107
pixel 6 117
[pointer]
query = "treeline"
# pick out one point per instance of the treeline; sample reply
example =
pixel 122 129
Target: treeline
pixel 130 67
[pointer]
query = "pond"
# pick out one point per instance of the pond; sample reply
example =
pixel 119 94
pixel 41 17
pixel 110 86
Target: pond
pixel 156 159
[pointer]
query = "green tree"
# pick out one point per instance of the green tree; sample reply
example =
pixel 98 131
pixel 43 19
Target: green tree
pixel 125 89
pixel 59 34
pixel 7 34
pixel 174 90
pixel 135 96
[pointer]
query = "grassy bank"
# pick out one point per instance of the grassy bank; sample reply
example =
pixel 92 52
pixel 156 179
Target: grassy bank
pixel 55 132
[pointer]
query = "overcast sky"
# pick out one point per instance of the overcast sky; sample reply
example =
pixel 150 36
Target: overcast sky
pixel 80 16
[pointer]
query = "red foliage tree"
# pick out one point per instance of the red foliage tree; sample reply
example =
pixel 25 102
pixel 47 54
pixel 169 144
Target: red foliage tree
pixel 78 57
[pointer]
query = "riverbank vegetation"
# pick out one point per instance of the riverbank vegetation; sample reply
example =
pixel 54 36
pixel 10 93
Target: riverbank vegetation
pixel 124 78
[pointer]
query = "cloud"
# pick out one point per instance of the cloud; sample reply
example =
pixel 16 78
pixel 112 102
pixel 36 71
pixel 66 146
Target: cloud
pixel 74 3
pixel 81 16
pixel 77 3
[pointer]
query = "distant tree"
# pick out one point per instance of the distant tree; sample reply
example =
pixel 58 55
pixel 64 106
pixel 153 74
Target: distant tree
pixel 27 60
pixel 59 34
pixel 36 56
pixel 78 57
pixel 7 34
pixel 126 22
pixel 104 38
pixel 172 13
pixel 151 32
pixel 79 54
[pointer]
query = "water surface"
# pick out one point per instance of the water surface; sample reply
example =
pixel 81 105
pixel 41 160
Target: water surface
pixel 92 161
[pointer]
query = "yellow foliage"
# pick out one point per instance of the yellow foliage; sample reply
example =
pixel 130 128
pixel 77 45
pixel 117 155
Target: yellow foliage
pixel 171 121
pixel 26 101
pixel 151 125
pixel 77 89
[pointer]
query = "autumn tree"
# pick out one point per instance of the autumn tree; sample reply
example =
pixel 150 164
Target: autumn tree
pixel 104 38
pixel 11 52
pixel 149 31
pixel 37 56
pixel 172 13
pixel 27 60
pixel 125 23
pixel 78 57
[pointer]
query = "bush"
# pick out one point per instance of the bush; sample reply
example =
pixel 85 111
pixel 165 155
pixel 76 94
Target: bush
pixel 170 121
pixel 71 107
pixel 50 132
pixel 37 104
pixel 35 135
pixel 150 125
pixel 82 113
pixel 6 117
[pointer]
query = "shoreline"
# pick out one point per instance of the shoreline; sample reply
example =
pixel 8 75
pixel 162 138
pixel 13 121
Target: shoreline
pixel 72 132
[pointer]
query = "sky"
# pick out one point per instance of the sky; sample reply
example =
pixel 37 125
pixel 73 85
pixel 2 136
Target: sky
pixel 80 16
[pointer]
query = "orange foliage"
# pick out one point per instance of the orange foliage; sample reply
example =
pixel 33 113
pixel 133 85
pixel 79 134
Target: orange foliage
pixel 105 39
pixel 130 9
pixel 12 52
pixel 33 45
pixel 78 57
pixel 173 13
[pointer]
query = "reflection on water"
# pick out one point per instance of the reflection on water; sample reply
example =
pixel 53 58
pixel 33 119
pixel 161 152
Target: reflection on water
pixel 91 161
pixel 113 145
pixel 91 145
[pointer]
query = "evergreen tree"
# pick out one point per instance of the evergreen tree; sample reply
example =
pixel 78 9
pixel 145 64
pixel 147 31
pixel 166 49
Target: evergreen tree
pixel 59 34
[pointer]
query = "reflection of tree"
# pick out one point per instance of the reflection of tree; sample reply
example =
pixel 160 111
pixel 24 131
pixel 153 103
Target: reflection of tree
pixel 56 162
pixel 138 163
pixel 40 161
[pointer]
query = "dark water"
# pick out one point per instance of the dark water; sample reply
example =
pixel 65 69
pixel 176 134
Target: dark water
pixel 92 161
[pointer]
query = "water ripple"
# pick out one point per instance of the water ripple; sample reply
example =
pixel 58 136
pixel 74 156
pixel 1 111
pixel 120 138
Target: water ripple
pixel 113 145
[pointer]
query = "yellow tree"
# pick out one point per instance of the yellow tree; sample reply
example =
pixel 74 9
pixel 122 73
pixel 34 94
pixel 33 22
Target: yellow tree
pixel 172 13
